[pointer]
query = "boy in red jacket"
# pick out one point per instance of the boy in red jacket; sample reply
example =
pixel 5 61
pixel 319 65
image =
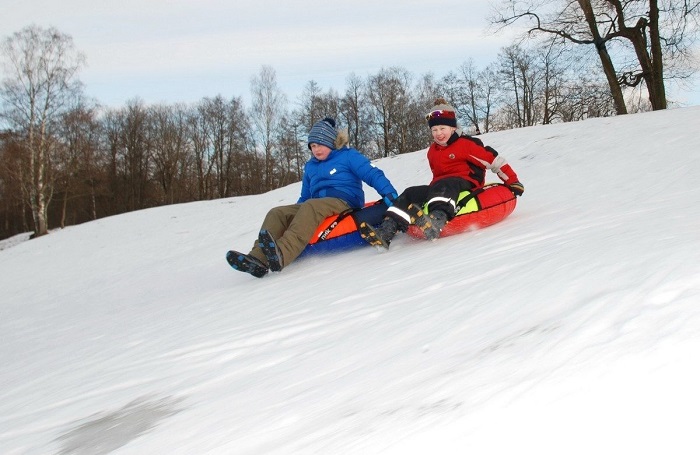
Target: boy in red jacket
pixel 458 164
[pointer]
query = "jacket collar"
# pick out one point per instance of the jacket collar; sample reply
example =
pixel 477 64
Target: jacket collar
pixel 450 141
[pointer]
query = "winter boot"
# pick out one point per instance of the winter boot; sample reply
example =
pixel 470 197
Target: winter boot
pixel 246 263
pixel 381 235
pixel 432 224
pixel 415 213
pixel 417 216
pixel 271 251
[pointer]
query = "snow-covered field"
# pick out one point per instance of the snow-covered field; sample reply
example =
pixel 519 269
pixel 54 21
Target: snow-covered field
pixel 572 327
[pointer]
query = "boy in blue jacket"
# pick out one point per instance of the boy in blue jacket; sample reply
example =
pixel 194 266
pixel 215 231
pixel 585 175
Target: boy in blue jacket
pixel 332 184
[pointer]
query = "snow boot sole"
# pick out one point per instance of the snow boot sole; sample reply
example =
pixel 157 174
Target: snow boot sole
pixel 246 263
pixel 430 225
pixel 369 234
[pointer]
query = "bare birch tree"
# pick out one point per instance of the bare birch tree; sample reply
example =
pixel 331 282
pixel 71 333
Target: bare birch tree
pixel 267 111
pixel 40 81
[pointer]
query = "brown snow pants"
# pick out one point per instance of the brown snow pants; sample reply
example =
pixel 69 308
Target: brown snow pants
pixel 293 225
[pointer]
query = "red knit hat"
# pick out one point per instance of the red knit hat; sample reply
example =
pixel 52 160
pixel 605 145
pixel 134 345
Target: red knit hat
pixel 442 114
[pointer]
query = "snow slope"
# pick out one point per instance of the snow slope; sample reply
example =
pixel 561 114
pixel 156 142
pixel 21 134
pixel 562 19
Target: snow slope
pixel 573 326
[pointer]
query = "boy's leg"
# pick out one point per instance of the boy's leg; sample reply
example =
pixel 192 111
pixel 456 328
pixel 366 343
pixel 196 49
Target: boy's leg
pixel 441 201
pixel 403 211
pixel 392 223
pixel 303 224
pixel 443 195
pixel 276 222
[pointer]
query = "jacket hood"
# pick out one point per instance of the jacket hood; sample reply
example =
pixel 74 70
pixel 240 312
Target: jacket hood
pixel 342 139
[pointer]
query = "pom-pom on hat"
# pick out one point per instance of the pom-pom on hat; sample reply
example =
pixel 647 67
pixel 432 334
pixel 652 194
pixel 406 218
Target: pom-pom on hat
pixel 324 133
pixel 442 114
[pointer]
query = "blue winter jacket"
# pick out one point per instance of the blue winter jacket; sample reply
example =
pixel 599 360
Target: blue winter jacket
pixel 341 175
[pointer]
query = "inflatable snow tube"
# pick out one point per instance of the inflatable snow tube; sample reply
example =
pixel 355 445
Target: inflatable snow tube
pixel 339 232
pixel 478 209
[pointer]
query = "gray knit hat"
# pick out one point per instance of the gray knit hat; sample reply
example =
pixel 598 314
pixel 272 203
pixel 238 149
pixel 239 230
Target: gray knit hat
pixel 324 133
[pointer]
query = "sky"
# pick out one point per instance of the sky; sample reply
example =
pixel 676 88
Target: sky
pixel 184 50
pixel 572 326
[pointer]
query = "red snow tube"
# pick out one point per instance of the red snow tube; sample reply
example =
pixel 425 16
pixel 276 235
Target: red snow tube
pixel 480 208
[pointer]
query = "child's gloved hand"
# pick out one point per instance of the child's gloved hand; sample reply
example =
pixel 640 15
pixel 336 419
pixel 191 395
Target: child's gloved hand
pixel 517 188
pixel 389 199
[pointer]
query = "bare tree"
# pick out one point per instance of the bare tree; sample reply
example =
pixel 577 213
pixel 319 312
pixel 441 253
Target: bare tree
pixel 489 84
pixel 267 110
pixel 655 32
pixel 171 151
pixel 16 213
pixel 473 93
pixel 293 149
pixel 136 153
pixel 310 104
pixel 222 146
pixel 200 136
pixel 388 95
pixel 427 90
pixel 128 143
pixel 242 155
pixel 314 104
pixel 463 89
pixel 41 67
pixel 354 115
pixel 520 76
pixel 80 166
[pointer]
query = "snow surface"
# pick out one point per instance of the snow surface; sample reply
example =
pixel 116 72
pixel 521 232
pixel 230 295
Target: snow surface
pixel 572 327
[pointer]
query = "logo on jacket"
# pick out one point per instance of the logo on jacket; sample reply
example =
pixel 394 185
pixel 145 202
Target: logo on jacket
pixel 333 171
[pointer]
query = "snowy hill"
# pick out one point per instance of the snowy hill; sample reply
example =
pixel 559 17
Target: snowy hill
pixel 571 327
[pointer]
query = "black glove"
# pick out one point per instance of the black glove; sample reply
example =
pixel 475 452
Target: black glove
pixel 517 188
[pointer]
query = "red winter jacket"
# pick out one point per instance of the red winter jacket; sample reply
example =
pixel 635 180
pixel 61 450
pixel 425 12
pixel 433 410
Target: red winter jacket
pixel 466 157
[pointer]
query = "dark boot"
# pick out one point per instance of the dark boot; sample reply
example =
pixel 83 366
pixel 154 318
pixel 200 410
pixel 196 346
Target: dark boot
pixel 246 263
pixel 381 235
pixel 432 224
pixel 271 251
pixel 415 213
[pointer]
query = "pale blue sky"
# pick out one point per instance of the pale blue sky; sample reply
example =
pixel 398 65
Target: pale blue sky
pixel 183 50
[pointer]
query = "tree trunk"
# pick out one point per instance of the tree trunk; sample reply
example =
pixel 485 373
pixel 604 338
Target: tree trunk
pixel 93 201
pixel 64 208
pixel 611 76
pixel 605 60
pixel 657 94
pixel 39 215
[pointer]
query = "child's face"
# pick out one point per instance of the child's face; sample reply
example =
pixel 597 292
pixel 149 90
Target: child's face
pixel 321 152
pixel 442 133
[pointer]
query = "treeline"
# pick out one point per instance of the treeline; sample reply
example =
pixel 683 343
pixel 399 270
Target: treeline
pixel 105 161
